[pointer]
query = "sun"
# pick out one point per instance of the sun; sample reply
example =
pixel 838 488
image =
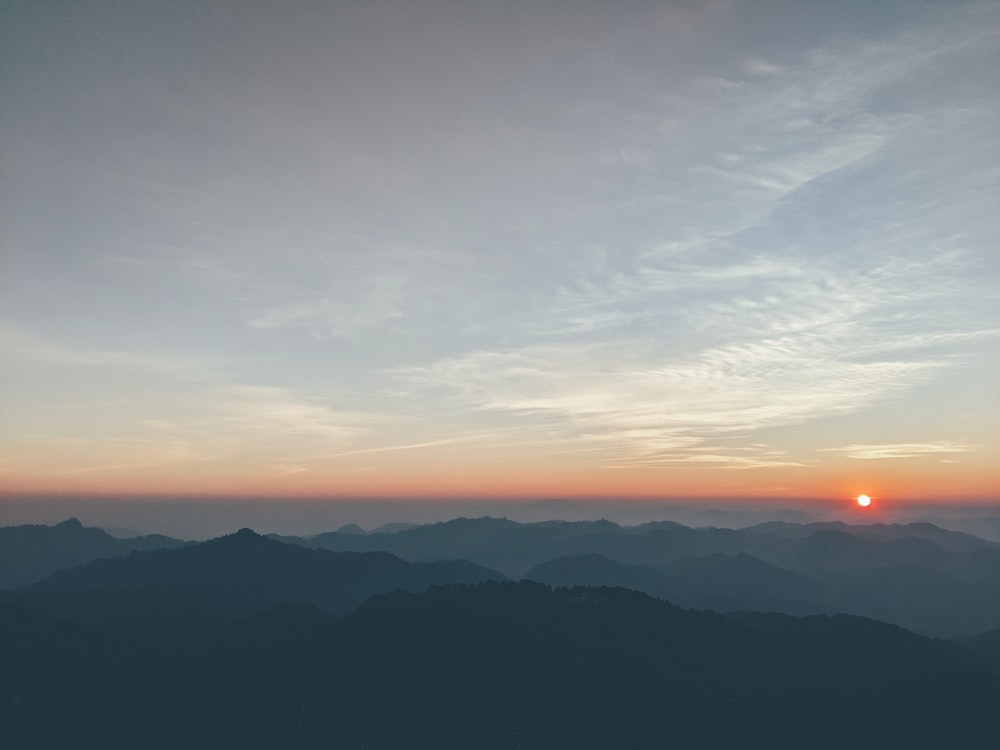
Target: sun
pixel 864 501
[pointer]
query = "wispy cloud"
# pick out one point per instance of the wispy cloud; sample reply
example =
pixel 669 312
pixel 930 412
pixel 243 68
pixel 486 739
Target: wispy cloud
pixel 645 403
pixel 18 347
pixel 165 410
pixel 98 455
pixel 715 456
pixel 410 446
pixel 766 344
pixel 354 313
pixel 901 450
pixel 516 233
pixel 266 424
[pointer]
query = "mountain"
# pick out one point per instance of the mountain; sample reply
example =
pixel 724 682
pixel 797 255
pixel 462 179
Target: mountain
pixel 516 547
pixel 931 580
pixel 731 583
pixel 351 528
pixel 498 543
pixel 245 572
pixel 29 553
pixel 987 644
pixel 919 576
pixel 722 583
pixel 494 665
pixel 393 527
pixel 955 541
pixel 594 569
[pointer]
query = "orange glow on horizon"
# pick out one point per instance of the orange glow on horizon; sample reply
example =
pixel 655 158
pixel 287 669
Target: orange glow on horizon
pixel 522 478
pixel 508 472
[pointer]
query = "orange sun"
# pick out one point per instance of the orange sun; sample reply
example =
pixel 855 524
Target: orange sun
pixel 864 501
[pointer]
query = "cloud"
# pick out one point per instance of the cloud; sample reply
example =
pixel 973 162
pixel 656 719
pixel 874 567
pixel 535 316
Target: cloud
pixel 352 313
pixel 21 347
pixel 96 455
pixel 721 351
pixel 269 424
pixel 602 242
pixel 718 456
pixel 411 446
pixel 645 404
pixel 901 450
pixel 153 409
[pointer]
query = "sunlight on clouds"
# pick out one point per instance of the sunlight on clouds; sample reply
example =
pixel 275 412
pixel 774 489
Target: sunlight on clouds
pixel 808 343
pixel 58 456
pixel 267 426
pixel 901 450
pixel 662 240
pixel 622 393
pixel 165 411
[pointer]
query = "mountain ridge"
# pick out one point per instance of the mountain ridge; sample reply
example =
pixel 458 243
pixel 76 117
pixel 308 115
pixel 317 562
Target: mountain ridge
pixel 242 572
pixel 492 665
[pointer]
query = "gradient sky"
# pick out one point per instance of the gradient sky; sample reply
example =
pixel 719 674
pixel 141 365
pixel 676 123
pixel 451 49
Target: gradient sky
pixel 719 249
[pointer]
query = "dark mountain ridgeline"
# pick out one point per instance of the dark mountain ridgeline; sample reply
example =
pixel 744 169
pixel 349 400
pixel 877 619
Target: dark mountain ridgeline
pixel 924 578
pixel 498 543
pixel 351 528
pixel 956 541
pixel 728 583
pixel 192 642
pixel 244 572
pixel 595 569
pixel 916 575
pixel 722 583
pixel 987 645
pixel 29 553
pixel 514 547
pixel 494 665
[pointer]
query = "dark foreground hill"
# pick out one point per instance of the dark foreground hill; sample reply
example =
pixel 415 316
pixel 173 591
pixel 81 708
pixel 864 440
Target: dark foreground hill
pixel 496 665
pixel 29 553
pixel 235 575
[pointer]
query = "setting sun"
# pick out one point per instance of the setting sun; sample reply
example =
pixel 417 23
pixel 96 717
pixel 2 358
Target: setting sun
pixel 864 501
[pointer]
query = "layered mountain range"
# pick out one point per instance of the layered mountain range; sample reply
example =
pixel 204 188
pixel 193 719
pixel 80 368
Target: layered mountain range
pixel 616 637
pixel 930 580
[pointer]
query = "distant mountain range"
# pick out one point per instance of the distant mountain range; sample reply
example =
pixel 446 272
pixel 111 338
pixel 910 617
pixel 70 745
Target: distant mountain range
pixel 252 642
pixel 29 553
pixel 239 574
pixel 930 580
pixel 718 582
pixel 934 581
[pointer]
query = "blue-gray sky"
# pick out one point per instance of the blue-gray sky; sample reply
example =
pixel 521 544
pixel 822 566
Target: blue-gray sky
pixel 519 248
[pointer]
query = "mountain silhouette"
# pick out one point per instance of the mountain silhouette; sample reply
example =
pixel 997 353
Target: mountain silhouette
pixel 516 547
pixel 29 553
pixel 351 528
pixel 938 582
pixel 492 665
pixel 954 540
pixel 244 572
pixel 722 583
pixel 494 542
pixel 933 581
pixel 729 583
pixel 594 569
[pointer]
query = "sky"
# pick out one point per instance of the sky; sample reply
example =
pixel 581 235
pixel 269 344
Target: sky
pixel 500 250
